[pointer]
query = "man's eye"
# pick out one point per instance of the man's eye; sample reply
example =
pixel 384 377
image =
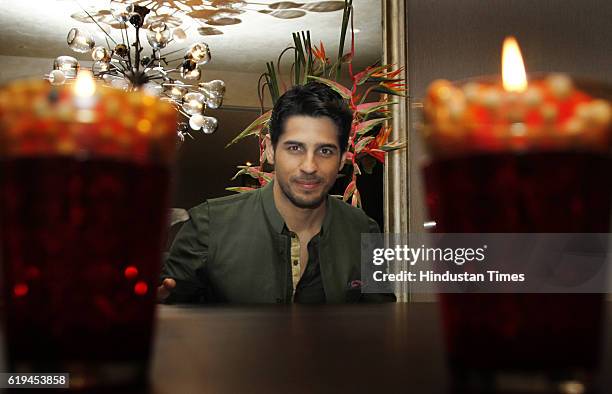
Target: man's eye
pixel 327 152
pixel 293 148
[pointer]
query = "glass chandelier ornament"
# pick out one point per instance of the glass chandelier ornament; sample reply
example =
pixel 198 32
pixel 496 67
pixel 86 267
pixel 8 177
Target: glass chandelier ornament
pixel 123 65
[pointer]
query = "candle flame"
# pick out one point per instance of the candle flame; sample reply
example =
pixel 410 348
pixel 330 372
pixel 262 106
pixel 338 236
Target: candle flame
pixel 513 69
pixel 85 85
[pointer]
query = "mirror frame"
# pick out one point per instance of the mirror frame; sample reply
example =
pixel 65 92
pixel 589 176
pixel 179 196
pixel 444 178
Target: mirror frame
pixel 396 207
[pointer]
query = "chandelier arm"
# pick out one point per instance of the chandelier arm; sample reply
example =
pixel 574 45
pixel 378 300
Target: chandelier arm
pixel 97 24
pixel 151 61
pixel 129 48
pixel 137 49
pixel 121 30
pixel 118 71
pixel 181 84
pixel 172 52
pixel 121 62
pixel 115 66
pixel 185 114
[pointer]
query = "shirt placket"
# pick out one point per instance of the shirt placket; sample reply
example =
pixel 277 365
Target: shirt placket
pixel 296 267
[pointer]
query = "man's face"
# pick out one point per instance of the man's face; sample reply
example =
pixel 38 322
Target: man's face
pixel 306 160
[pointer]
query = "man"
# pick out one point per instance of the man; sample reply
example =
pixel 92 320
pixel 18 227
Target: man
pixel 288 241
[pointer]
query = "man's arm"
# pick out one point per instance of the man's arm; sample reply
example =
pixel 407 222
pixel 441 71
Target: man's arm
pixel 183 271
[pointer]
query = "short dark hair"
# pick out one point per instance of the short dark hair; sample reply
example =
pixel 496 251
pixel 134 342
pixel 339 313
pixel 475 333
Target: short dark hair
pixel 312 99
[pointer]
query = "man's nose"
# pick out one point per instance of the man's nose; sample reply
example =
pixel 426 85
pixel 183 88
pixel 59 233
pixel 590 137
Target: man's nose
pixel 309 164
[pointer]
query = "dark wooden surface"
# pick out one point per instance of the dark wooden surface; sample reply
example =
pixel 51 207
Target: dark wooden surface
pixel 388 348
pixel 299 349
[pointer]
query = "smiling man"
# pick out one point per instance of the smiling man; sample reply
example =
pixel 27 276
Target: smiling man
pixel 288 241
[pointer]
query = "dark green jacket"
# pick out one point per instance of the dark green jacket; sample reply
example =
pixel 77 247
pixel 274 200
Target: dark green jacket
pixel 233 249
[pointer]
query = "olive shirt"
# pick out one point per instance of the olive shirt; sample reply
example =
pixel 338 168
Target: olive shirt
pixel 238 249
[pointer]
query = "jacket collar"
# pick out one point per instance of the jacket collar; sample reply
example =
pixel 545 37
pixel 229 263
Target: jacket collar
pixel 275 218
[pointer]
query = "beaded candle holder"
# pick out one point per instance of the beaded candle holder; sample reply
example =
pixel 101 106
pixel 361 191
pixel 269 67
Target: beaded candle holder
pixel 520 157
pixel 84 181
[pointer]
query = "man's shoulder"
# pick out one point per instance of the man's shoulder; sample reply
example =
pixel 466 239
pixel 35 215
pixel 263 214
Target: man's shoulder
pixel 233 199
pixel 233 202
pixel 348 212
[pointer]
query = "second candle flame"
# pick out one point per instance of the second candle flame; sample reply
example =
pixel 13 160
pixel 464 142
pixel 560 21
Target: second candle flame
pixel 513 69
pixel 84 86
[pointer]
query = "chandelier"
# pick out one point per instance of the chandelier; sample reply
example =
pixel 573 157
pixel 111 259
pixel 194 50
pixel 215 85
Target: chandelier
pixel 123 65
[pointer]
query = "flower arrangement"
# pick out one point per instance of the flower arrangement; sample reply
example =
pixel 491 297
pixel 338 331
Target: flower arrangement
pixel 368 139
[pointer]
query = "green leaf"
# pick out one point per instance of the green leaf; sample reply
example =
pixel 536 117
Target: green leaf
pixel 386 90
pixel 272 82
pixel 341 90
pixel 368 125
pixel 363 76
pixel 362 143
pixel 241 172
pixel 383 79
pixel 346 16
pixel 253 172
pixel 347 58
pixel 254 128
pixel 300 59
pixel 240 189
pixel 356 200
pixel 394 145
pixel 367 108
pixel 350 189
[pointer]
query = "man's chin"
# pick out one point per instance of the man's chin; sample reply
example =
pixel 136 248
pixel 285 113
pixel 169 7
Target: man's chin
pixel 309 202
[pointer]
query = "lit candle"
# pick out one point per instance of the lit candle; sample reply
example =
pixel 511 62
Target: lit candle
pixel 38 118
pixel 513 70
pixel 546 113
pixel 83 215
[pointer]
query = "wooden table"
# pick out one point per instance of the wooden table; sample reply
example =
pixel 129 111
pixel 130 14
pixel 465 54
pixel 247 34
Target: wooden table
pixel 390 348
pixel 299 349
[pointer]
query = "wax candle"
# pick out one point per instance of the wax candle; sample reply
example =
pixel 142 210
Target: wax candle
pixel 85 118
pixel 84 186
pixel 547 112
pixel 521 155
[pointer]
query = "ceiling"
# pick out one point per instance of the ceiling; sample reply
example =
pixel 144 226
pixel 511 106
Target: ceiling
pixel 242 35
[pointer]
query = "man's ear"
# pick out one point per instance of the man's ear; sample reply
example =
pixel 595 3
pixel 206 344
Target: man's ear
pixel 269 149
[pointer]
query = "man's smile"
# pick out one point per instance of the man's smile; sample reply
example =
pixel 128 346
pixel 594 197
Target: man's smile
pixel 308 184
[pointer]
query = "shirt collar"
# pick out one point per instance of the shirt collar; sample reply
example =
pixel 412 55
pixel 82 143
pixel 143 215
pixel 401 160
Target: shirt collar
pixel 275 218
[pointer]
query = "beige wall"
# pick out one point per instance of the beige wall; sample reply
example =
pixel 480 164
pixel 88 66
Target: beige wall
pixel 241 87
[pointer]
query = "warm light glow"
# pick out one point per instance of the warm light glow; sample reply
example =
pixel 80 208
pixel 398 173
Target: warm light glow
pixel 144 126
pixel 141 288
pixel 513 69
pixel 85 85
pixel 130 272
pixel 20 289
